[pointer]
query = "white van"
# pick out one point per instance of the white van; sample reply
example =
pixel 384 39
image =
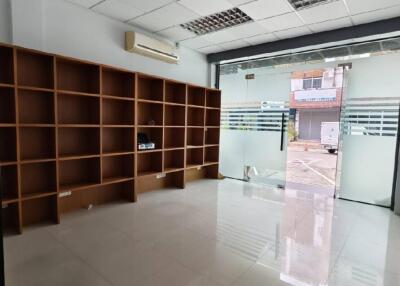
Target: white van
pixel 330 136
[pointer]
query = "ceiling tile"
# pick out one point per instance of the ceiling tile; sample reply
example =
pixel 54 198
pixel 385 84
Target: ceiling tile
pixel 220 37
pixel 294 32
pixel 210 49
pixel 260 39
pixel 148 5
pixel 282 22
pixel 85 3
pixel 324 12
pixel 196 43
pixel 206 7
pixel 240 2
pixel 331 25
pixel 165 17
pixel 376 15
pixel 117 10
pixel 360 6
pixel 247 30
pixel 233 45
pixel 176 33
pixel 261 9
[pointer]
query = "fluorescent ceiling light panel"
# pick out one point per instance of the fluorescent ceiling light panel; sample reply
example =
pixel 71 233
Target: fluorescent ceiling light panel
pixel 304 4
pixel 218 21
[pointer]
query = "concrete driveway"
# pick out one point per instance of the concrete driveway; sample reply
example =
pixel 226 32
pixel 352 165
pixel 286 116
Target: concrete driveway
pixel 311 170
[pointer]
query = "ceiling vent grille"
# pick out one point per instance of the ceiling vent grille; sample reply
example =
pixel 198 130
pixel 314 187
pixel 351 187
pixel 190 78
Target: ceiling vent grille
pixel 217 21
pixel 304 4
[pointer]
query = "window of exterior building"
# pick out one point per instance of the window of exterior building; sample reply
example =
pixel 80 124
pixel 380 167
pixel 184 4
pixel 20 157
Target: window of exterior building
pixel 314 82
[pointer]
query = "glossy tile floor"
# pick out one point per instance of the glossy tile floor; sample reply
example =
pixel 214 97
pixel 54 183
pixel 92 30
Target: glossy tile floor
pixel 213 233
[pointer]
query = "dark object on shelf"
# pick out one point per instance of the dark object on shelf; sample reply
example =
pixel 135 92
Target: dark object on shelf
pixel 144 142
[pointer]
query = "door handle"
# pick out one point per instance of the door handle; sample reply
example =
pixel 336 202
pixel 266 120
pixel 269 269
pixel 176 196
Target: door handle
pixel 282 129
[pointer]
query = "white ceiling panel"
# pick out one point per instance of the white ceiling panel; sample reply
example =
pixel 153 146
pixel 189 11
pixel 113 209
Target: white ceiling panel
pixel 376 15
pixel 261 9
pixel 324 12
pixel 240 2
pixel 147 5
pixel 117 10
pixel 196 43
pixel 331 25
pixel 360 6
pixel 259 39
pixel 206 7
pixel 233 45
pixel 85 3
pixel 247 30
pixel 210 49
pixel 176 34
pixel 282 22
pixel 220 37
pixel 165 17
pixel 294 32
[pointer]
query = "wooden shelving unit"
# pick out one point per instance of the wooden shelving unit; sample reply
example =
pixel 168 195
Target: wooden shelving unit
pixel 69 134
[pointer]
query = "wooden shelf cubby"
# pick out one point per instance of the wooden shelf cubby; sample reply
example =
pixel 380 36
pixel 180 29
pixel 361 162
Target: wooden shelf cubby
pixel 150 114
pixel 154 134
pixel 195 137
pixel 149 163
pixel 37 143
pixel 174 160
pixel 212 136
pixel 195 116
pixel 213 98
pixel 116 168
pixel 34 69
pixel 78 109
pixel 7 65
pixel 8 144
pixel 76 76
pixel 69 131
pixel 213 117
pixel 194 157
pixel 196 96
pixel 150 88
pixel 79 173
pixel 118 83
pixel 78 141
pixel 211 154
pixel 174 115
pixel 7 105
pixel 9 176
pixel 38 179
pixel 35 107
pixel 175 92
pixel 118 140
pixel 174 137
pixel 117 112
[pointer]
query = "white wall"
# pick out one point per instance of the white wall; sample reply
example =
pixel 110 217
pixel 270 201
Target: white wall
pixel 59 27
pixel 5 21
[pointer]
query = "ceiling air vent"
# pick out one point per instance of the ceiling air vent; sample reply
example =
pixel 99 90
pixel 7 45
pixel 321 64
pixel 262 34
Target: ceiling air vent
pixel 304 4
pixel 217 21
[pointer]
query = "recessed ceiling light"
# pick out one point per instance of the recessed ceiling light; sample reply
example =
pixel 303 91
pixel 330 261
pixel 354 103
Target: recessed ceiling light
pixel 217 21
pixel 304 4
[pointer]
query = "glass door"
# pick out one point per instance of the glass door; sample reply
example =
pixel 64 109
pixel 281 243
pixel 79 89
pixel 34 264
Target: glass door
pixel 367 142
pixel 254 131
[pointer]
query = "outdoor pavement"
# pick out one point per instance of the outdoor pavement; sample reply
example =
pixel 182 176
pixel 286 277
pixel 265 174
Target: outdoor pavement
pixel 312 169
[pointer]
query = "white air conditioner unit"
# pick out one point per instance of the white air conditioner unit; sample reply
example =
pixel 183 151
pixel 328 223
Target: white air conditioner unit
pixel 144 45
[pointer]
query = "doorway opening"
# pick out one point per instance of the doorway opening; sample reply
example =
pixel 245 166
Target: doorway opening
pixel 313 130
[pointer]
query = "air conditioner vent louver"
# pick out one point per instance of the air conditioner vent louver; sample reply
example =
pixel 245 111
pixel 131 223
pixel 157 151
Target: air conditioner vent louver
pixel 304 4
pixel 141 44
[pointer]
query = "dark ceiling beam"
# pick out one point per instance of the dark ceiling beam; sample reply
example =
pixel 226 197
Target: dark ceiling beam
pixel 364 30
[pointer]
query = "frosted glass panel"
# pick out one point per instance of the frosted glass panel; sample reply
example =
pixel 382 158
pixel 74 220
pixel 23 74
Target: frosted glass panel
pixel 367 168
